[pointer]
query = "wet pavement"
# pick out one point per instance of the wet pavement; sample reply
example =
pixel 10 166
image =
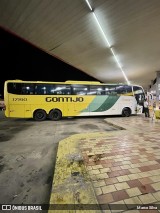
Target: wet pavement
pixel 28 151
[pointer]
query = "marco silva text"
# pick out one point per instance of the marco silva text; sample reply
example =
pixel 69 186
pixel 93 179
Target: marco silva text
pixel 148 207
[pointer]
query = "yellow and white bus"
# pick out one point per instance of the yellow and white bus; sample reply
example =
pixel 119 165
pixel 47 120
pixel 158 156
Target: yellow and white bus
pixel 54 100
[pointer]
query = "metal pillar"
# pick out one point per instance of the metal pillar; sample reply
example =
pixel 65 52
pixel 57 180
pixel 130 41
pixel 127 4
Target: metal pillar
pixel 157 89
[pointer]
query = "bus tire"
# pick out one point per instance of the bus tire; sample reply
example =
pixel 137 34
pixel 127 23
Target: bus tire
pixel 55 115
pixel 39 115
pixel 126 112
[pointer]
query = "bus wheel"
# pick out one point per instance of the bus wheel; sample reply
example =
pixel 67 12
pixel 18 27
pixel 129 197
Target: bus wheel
pixel 55 115
pixel 39 115
pixel 126 112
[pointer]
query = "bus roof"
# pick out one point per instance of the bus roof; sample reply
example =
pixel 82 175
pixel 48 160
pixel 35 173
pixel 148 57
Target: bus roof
pixel 82 82
pixel 71 82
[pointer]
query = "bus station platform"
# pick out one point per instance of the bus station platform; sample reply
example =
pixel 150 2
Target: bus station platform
pixel 115 171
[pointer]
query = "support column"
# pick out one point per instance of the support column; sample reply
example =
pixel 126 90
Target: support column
pixel 157 89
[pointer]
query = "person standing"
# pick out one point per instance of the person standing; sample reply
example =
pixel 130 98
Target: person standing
pixel 146 108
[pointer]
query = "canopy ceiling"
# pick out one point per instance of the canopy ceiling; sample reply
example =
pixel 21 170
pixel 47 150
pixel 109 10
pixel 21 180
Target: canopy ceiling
pixel 67 29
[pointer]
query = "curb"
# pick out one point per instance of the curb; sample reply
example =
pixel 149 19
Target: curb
pixel 71 183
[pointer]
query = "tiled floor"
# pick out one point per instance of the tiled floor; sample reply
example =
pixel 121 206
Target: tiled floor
pixel 124 166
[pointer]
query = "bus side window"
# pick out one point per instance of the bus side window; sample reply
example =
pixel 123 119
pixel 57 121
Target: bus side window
pixel 62 90
pixel 40 89
pixel 110 90
pixel 95 90
pixel 14 88
pixel 129 90
pixel 67 90
pixel 50 89
pixel 120 90
pixel 80 90
pixel 27 89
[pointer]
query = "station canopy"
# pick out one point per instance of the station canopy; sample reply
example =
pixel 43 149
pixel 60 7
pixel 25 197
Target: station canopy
pixel 107 39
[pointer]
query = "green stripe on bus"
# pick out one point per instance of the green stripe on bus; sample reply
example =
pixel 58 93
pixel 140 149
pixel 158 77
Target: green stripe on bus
pixel 107 104
pixel 101 103
pixel 96 103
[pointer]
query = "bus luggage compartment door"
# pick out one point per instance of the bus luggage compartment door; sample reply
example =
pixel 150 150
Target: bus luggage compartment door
pixel 16 111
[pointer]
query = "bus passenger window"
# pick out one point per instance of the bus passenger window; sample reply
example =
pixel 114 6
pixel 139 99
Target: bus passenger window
pixel 62 90
pixel 124 90
pixel 27 89
pixel 14 88
pixel 95 90
pixel 80 90
pixel 40 89
pixel 110 90
pixel 50 89
pixel 129 89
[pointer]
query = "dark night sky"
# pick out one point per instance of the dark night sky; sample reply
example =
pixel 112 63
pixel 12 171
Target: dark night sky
pixel 21 60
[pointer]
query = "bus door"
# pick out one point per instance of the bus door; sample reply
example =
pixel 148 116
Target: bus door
pixel 139 96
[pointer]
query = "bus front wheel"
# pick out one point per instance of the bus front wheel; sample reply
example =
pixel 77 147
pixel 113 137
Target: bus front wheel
pixel 126 112
pixel 39 115
pixel 55 115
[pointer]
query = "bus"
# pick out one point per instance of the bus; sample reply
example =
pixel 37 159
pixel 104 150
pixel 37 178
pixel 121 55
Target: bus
pixel 53 100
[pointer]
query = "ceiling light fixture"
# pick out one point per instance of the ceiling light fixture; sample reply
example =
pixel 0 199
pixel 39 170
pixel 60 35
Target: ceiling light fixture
pixel 120 66
pixel 101 30
pixel 108 44
pixel 89 5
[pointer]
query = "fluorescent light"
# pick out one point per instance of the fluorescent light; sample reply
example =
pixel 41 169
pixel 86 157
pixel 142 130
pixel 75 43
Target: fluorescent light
pixel 89 5
pixel 101 30
pixel 108 44
pixel 120 66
